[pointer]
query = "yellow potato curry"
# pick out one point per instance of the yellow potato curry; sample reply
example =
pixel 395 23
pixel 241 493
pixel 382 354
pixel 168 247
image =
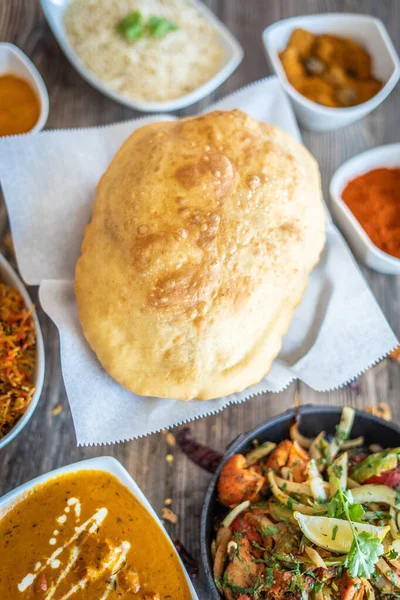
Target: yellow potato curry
pixel 85 536
pixel 329 69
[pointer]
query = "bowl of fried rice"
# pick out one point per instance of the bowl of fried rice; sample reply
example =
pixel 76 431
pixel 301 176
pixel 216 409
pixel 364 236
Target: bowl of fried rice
pixel 21 355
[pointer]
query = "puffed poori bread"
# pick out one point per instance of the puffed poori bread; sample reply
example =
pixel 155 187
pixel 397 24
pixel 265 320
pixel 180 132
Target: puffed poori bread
pixel 203 234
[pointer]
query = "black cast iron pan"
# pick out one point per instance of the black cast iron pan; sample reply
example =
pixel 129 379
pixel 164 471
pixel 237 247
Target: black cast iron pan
pixel 313 420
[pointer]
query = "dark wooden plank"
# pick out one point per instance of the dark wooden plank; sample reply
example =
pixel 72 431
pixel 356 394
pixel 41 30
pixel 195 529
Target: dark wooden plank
pixel 49 441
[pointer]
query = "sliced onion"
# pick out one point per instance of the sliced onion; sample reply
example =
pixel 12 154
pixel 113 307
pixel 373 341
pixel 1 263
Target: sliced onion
pixel 351 483
pixel 221 551
pixel 231 516
pixel 316 482
pixel 289 502
pixel 394 530
pixel 315 557
pixel 389 573
pixel 375 493
pixel 232 547
pixel 213 548
pixel 343 430
pixel 341 465
pixel 260 452
pixel 295 435
pixel 354 443
pixel 369 589
pixel 303 489
pixel 315 451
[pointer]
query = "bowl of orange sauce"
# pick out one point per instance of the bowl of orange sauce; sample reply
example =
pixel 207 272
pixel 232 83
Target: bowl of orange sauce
pixel 24 101
pixel 365 203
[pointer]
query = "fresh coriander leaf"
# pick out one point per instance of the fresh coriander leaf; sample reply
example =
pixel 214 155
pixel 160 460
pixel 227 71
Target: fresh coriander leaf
pixel 365 549
pixel 392 555
pixel 293 585
pixel 270 530
pixel 364 554
pixel 356 511
pixel 337 470
pixel 269 577
pixel 335 508
pixel 159 27
pixel 132 27
pixel 318 586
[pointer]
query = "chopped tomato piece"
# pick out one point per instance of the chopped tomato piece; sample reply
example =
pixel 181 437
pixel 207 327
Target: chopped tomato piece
pixel 390 478
pixel 249 530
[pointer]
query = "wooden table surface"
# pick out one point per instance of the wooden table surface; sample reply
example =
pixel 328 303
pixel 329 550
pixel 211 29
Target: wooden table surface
pixel 49 441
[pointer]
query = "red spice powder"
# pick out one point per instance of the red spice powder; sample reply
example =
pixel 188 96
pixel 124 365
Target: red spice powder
pixel 374 199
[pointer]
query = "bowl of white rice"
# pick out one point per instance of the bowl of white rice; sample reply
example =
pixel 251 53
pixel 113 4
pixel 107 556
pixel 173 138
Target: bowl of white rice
pixel 156 71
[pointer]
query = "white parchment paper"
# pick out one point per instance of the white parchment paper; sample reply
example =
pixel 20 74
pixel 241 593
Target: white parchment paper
pixel 49 182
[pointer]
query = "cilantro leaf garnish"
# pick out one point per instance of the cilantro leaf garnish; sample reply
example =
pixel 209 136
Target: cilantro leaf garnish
pixel 159 27
pixel 334 532
pixel 269 530
pixel 364 554
pixel 132 26
pixel 365 549
pixel 392 555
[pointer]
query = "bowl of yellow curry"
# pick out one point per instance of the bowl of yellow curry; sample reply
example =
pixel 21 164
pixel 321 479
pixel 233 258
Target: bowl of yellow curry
pixel 86 531
pixel 22 357
pixel 24 101
pixel 336 68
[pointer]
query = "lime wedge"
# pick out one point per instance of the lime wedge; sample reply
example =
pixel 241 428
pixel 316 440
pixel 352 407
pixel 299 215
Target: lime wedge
pixel 334 534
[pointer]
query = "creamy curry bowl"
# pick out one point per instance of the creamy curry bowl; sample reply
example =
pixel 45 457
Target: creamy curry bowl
pixel 86 532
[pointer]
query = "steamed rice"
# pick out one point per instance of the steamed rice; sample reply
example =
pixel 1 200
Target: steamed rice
pixel 151 69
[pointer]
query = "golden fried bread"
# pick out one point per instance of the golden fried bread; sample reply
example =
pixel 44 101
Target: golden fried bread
pixel 203 234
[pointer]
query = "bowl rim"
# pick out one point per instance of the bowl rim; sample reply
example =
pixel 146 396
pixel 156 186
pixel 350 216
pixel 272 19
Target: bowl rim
pixel 337 185
pixel 328 111
pixel 41 86
pixel 235 54
pixel 107 464
pixel 247 437
pixel 6 268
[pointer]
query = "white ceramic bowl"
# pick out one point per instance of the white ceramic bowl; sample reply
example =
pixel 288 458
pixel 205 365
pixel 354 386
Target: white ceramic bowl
pixel 54 12
pixel 9 276
pixel 363 247
pixel 101 463
pixel 14 61
pixel 368 31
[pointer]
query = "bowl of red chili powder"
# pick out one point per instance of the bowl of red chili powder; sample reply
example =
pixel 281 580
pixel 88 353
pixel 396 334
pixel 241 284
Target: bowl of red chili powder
pixel 365 194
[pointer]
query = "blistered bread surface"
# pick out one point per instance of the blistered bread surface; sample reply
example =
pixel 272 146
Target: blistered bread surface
pixel 203 234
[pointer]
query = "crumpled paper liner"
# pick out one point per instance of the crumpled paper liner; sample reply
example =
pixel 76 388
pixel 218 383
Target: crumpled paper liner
pixel 49 182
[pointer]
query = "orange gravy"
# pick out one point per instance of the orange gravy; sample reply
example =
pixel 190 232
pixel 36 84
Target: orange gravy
pixel 84 536
pixel 19 106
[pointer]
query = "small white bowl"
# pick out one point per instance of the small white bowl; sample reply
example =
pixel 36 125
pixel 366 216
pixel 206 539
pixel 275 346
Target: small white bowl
pixel 54 12
pixel 368 32
pixel 14 61
pixel 9 276
pixel 108 465
pixel 363 247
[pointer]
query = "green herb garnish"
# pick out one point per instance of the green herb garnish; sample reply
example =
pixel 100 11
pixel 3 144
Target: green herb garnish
pixel 365 549
pixel 133 27
pixel 159 27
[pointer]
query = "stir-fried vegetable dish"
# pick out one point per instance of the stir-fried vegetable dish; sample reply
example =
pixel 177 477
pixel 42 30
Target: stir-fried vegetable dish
pixel 17 357
pixel 310 518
